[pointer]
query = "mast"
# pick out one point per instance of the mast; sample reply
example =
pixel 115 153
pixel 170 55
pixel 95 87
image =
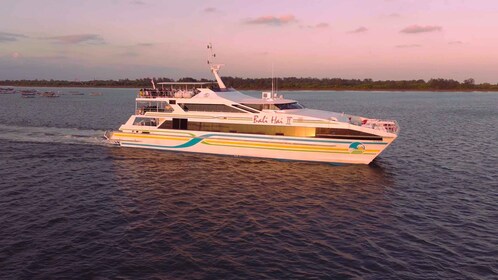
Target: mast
pixel 272 82
pixel 215 67
pixel 153 84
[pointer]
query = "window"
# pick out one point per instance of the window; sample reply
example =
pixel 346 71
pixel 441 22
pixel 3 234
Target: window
pixel 299 131
pixel 208 108
pixel 322 132
pixel 289 106
pixel 258 107
pixel 145 121
pixel 285 106
pixel 245 108
pixel 253 129
pixel 154 106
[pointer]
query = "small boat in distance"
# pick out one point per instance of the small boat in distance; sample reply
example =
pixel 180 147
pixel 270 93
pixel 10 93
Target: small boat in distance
pixel 7 91
pixel 49 94
pixel 28 94
pixel 28 91
pixel 211 118
pixel 96 94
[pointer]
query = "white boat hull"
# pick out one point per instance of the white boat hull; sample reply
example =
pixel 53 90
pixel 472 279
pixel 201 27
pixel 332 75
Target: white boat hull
pixel 261 146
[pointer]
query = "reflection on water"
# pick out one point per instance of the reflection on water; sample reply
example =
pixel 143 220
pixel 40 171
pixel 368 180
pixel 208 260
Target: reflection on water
pixel 227 212
pixel 149 167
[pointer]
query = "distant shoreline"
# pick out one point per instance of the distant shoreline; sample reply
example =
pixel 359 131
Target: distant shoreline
pixel 280 89
pixel 282 84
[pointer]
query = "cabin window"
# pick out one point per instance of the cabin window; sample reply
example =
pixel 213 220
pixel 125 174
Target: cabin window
pixel 166 125
pixel 299 131
pixel 245 108
pixel 253 129
pixel 154 106
pixel 289 106
pixel 258 107
pixel 172 102
pixel 192 107
pixel 261 107
pixel 322 132
pixel 145 121
pixel 269 107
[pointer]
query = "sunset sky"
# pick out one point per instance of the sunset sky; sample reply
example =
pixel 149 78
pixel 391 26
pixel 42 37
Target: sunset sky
pixel 378 39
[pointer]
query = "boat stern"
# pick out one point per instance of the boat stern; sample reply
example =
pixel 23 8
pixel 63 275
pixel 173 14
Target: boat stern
pixel 108 135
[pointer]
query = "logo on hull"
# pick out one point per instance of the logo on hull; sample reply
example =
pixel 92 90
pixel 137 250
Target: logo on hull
pixel 356 148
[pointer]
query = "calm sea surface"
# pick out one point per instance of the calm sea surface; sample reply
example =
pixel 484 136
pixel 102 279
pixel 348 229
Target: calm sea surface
pixel 73 207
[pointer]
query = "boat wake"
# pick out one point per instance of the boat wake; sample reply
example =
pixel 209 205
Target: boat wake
pixel 52 134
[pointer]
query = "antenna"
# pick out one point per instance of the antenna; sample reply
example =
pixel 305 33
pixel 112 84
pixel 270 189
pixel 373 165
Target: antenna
pixel 211 54
pixel 215 67
pixel 276 85
pixel 272 86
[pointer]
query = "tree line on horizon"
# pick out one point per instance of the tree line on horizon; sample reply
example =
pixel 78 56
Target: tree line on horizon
pixel 287 83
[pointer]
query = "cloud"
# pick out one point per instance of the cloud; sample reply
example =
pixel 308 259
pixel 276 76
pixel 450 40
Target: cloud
pixel 31 68
pixel 413 29
pixel 93 39
pixel 455 43
pixel 210 10
pixel 272 20
pixel 129 54
pixel 360 29
pixel 392 15
pixel 53 57
pixel 10 37
pixel 320 25
pixel 137 2
pixel 408 46
pixel 145 44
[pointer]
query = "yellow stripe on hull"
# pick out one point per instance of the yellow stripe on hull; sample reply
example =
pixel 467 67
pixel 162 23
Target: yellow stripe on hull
pixel 251 144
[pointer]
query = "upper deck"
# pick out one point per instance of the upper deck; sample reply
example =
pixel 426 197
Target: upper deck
pixel 175 90
pixel 204 99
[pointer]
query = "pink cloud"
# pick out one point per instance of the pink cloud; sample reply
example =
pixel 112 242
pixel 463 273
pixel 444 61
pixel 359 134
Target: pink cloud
pixel 272 20
pixel 137 2
pixel 408 46
pixel 322 25
pixel 319 25
pixel 393 15
pixel 360 29
pixel 413 29
pixel 78 39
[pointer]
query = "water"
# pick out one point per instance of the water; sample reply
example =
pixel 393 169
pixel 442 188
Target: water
pixel 74 207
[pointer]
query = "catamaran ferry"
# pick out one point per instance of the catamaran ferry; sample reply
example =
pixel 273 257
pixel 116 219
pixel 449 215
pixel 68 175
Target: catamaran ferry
pixel 211 118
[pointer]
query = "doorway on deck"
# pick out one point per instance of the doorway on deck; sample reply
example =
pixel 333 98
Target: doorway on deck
pixel 180 124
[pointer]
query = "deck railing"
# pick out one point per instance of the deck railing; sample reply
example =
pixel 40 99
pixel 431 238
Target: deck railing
pixel 160 93
pixel 390 126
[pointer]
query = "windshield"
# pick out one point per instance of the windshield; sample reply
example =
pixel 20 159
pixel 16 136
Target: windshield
pixel 289 106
